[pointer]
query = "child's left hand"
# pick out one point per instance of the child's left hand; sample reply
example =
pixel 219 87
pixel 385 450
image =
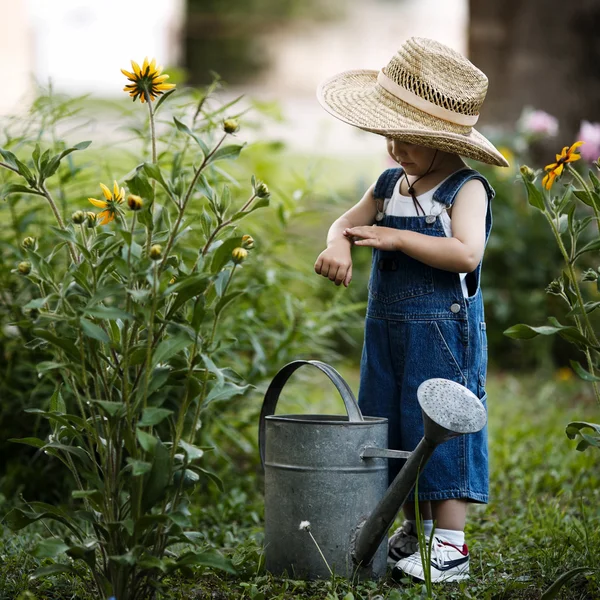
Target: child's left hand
pixel 382 238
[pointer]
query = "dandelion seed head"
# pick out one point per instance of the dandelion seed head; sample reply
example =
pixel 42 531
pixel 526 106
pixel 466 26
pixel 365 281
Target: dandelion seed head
pixel 304 526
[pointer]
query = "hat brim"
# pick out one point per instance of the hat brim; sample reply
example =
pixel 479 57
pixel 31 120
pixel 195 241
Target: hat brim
pixel 356 98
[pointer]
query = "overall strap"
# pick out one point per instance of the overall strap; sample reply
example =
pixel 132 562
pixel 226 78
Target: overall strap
pixel 446 193
pixel 384 187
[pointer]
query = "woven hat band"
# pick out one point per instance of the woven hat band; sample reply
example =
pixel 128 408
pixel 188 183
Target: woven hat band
pixel 425 105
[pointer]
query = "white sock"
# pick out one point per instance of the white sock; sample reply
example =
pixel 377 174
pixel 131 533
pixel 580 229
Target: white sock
pixel 455 537
pixel 427 525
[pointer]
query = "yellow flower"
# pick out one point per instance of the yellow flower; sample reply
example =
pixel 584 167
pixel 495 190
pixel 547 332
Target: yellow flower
pixel 146 81
pixel 564 374
pixel 111 204
pixel 555 169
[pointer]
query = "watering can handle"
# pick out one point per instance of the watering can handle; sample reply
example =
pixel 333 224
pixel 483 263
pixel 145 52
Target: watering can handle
pixel 276 385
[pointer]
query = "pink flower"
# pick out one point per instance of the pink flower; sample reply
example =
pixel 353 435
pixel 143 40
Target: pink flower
pixel 539 123
pixel 590 134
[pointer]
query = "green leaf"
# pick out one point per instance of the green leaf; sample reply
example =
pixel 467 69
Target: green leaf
pixel 553 591
pixel 153 416
pixel 153 171
pixel 590 247
pixel 214 478
pixel 112 409
pixel 186 289
pixel 224 391
pixel 48 365
pixel 260 203
pixel 583 196
pixel 15 188
pixel 588 306
pixel 585 375
pixel 139 185
pixel 534 196
pixel 54 569
pixel 223 302
pixel 206 559
pixel 50 548
pixel 139 467
pixel 222 254
pixel 156 481
pixel 526 332
pixel 169 348
pixel 185 129
pixel 29 441
pixel 163 98
pixel 192 451
pixel 226 152
pixel 108 312
pixel 147 441
pixel 57 404
pixel 93 331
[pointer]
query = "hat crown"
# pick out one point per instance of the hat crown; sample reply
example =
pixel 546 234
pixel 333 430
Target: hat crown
pixel 438 74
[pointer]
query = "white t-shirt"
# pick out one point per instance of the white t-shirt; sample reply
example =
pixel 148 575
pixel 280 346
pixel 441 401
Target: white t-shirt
pixel 403 206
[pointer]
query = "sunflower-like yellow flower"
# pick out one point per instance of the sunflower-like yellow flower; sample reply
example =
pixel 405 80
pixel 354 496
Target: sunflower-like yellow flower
pixel 148 79
pixel 111 204
pixel 555 169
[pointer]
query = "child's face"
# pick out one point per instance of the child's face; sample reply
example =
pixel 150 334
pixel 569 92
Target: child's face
pixel 414 159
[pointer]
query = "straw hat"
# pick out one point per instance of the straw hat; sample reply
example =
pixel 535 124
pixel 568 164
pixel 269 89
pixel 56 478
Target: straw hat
pixel 428 94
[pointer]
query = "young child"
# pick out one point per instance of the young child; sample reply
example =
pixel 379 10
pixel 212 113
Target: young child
pixel 428 223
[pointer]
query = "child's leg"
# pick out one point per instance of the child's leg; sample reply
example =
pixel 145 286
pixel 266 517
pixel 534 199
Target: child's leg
pixel 424 509
pixel 449 514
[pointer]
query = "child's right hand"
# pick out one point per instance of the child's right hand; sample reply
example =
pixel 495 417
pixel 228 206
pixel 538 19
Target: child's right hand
pixel 335 262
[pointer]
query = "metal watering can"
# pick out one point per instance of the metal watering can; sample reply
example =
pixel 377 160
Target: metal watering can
pixel 332 471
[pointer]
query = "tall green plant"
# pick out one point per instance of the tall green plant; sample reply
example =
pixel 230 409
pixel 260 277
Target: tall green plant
pixel 569 215
pixel 131 327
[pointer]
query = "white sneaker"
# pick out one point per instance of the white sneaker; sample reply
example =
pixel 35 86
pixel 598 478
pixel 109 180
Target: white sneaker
pixel 402 543
pixel 448 562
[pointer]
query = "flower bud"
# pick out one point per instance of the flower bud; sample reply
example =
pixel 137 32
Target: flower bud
pixel 24 267
pixel 239 255
pixel 156 252
pixel 28 242
pixel 247 242
pixel 78 217
pixel 590 275
pixel 134 202
pixel 230 125
pixel 261 189
pixel 92 219
pixel 556 287
pixel 527 172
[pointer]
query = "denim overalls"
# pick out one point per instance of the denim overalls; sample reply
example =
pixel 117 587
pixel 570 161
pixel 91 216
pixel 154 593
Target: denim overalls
pixel 419 325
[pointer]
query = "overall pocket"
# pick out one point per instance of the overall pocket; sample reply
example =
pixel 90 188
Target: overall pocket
pixel 395 276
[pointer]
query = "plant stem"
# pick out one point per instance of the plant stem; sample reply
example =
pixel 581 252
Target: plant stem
pixel 588 192
pixel 580 301
pixel 186 200
pixel 154 161
pixel 59 220
pixel 150 334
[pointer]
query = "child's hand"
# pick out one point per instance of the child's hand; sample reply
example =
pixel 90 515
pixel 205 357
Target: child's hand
pixel 335 262
pixel 383 238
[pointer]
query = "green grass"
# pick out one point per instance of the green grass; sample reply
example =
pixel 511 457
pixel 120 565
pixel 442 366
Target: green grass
pixel 543 518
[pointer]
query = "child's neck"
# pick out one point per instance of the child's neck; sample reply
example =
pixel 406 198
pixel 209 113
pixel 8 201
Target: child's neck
pixel 435 176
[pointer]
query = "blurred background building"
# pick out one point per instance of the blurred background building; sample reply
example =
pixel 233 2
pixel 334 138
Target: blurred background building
pixel 541 53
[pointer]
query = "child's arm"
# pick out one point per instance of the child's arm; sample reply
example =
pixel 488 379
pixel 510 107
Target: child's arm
pixel 460 254
pixel 335 262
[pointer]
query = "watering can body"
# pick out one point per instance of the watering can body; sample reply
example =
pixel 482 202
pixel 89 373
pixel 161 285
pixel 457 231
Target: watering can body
pixel 314 472
pixel 332 472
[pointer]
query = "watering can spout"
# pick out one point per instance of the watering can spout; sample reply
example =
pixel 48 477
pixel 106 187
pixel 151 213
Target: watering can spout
pixel 449 410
